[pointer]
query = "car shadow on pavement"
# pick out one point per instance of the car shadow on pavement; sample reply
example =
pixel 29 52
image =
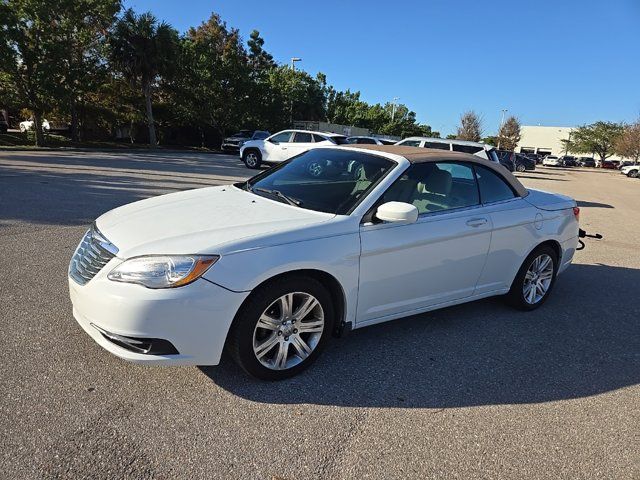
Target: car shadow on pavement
pixel 582 203
pixel 535 177
pixel 584 341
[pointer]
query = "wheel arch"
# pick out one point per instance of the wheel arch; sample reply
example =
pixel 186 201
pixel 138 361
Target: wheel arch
pixel 252 148
pixel 554 244
pixel 330 282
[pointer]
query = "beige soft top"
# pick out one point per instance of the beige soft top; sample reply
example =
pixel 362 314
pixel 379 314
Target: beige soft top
pixel 422 155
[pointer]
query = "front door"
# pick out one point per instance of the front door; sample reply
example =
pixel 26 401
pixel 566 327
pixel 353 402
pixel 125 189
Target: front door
pixel 277 147
pixel 301 142
pixel 438 259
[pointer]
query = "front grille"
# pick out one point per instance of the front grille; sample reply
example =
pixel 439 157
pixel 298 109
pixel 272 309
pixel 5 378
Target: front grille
pixel 93 253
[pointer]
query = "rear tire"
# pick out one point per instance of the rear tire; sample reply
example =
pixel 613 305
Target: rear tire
pixel 270 339
pixel 252 158
pixel 535 279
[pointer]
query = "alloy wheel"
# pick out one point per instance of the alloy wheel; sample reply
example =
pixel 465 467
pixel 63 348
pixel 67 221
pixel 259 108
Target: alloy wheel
pixel 288 331
pixel 251 159
pixel 538 279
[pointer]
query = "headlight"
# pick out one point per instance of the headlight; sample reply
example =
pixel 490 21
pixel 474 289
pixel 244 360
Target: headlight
pixel 162 271
pixel 241 142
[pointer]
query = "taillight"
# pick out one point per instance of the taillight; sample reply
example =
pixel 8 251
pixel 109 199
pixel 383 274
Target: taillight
pixel 576 213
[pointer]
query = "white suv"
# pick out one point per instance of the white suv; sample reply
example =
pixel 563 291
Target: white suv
pixel 283 145
pixel 630 171
pixel 482 150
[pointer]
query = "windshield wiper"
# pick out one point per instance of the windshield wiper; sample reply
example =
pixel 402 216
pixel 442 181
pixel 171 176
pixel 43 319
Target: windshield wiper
pixel 290 200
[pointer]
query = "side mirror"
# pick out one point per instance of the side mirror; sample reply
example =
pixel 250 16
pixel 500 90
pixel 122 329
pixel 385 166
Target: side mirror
pixel 397 212
pixel 271 140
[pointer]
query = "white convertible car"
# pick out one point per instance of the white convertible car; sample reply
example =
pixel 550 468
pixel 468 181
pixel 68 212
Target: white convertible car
pixel 273 267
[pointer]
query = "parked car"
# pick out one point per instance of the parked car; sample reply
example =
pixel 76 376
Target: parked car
pixel 362 140
pixel 523 162
pixel 506 159
pixel 271 268
pixel 481 150
pixel 626 163
pixel 533 156
pixel 568 161
pixel 286 144
pixel 630 171
pixel 610 164
pixel 28 125
pixel 586 162
pixel 235 141
pixel 4 125
pixel 551 161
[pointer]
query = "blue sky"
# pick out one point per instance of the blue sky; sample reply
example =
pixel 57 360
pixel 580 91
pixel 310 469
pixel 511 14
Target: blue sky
pixel 561 62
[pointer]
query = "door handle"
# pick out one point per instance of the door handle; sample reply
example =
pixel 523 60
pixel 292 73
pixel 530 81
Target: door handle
pixel 476 222
pixel 284 148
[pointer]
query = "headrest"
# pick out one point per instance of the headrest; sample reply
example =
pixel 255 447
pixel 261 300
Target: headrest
pixel 438 181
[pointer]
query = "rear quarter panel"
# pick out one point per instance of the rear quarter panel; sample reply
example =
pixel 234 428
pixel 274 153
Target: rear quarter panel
pixel 518 228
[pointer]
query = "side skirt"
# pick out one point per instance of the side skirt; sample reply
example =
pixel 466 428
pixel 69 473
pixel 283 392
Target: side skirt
pixel 430 308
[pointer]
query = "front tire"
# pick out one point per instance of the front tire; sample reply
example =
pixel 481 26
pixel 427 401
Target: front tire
pixel 535 279
pixel 252 158
pixel 520 168
pixel 632 174
pixel 282 328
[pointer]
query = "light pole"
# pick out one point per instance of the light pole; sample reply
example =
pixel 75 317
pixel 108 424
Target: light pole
pixel 393 108
pixel 293 62
pixel 293 68
pixel 504 110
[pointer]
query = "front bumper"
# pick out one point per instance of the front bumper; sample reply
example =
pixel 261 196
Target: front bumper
pixel 195 319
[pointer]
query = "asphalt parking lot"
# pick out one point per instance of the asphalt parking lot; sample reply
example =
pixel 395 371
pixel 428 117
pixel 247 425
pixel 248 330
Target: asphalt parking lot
pixel 474 391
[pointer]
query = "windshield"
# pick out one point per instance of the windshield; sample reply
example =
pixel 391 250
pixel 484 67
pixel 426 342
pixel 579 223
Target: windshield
pixel 322 179
pixel 260 135
pixel 339 140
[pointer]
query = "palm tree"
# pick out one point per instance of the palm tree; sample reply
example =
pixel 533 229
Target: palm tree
pixel 143 49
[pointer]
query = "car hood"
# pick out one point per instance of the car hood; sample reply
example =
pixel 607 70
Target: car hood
pixel 209 220
pixel 253 143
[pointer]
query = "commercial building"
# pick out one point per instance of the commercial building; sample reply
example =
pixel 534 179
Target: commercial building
pixel 547 141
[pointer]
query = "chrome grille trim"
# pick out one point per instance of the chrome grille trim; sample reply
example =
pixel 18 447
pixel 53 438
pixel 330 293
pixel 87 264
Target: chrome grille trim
pixel 93 253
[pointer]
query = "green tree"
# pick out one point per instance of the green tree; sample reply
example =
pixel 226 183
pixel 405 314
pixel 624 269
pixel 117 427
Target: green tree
pixel 212 87
pixel 299 95
pixel 509 134
pixel 261 61
pixel 470 127
pixel 31 57
pixel 598 138
pixel 83 28
pixel 142 49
